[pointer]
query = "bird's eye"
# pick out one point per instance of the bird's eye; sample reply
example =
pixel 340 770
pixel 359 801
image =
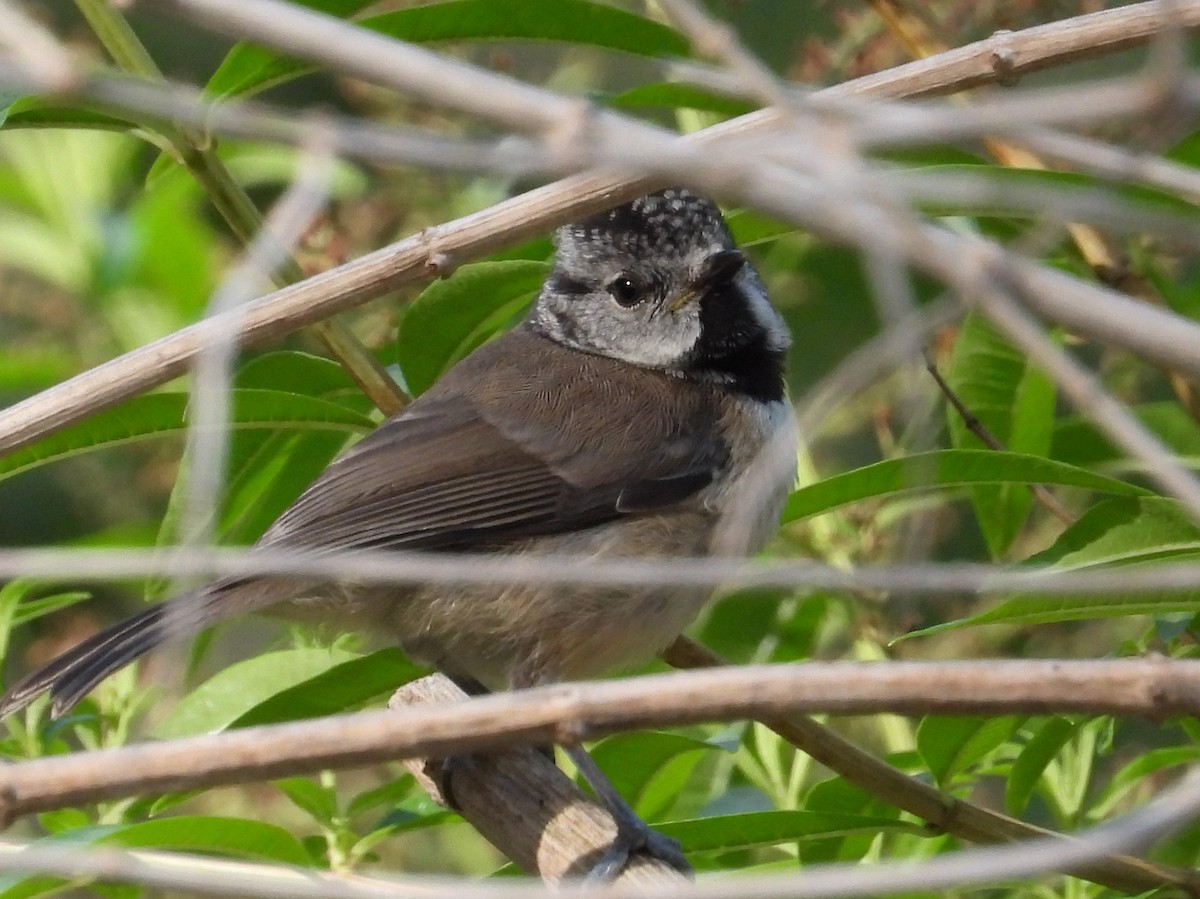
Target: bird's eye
pixel 626 291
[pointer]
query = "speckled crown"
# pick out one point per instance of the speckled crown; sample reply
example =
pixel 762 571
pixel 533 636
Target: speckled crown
pixel 666 222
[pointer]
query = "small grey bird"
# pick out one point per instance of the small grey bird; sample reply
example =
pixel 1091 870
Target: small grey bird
pixel 627 416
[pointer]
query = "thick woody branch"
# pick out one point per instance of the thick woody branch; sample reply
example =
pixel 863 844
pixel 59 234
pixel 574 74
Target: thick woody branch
pixel 523 804
pixel 567 713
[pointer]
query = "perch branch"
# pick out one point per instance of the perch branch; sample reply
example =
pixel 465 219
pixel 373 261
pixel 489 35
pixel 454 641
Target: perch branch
pixel 523 804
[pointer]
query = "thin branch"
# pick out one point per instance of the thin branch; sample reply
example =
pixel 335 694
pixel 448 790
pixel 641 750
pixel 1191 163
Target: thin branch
pixel 55 564
pixel 972 423
pixel 568 713
pixel 198 874
pixel 956 816
pixel 1007 55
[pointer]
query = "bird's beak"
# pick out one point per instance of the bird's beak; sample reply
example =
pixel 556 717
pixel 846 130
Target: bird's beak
pixel 719 268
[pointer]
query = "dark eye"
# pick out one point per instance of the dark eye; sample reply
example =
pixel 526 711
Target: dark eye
pixel 626 291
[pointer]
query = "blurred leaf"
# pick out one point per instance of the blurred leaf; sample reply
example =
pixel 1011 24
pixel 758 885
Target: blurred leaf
pixel 675 95
pixel 750 228
pixel 766 828
pixel 952 744
pixel 1015 402
pixel 11 595
pixel 237 690
pixel 311 797
pixel 452 317
pixel 943 468
pixel 176 248
pixel 337 689
pixel 161 414
pixel 633 761
pixel 41 112
pixel 1079 442
pixel 237 837
pixel 36 608
pixel 389 793
pixel 736 625
pixel 64 819
pixel 223 836
pixel 1027 769
pixel 1144 766
pixel 248 69
pixel 1123 533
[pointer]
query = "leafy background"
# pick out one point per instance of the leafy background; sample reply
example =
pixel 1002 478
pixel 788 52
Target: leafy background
pixel 107 242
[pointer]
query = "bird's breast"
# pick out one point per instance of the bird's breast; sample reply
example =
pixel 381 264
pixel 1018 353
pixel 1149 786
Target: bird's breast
pixel 749 495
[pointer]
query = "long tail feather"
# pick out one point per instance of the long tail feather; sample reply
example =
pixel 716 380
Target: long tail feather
pixel 73 674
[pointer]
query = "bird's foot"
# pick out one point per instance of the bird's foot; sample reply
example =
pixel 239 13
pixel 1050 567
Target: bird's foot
pixel 633 836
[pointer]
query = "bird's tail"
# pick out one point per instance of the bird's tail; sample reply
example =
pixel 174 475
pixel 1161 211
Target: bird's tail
pixel 70 676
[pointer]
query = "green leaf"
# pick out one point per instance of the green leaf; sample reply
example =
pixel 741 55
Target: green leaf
pixel 1142 767
pixel 1124 532
pixel 952 744
pixel 1016 403
pixel 1027 770
pixel 235 691
pixel 390 793
pixel 17 610
pixel 311 797
pixel 1079 442
pixel 162 414
pixel 236 837
pixel 944 468
pixel 452 317
pixel 40 112
pixel 633 762
pixel 336 689
pixel 249 69
pixel 674 95
pixel 750 228
pixel 726 832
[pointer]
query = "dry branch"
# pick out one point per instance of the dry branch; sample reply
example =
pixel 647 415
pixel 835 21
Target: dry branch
pixel 959 817
pixel 1151 688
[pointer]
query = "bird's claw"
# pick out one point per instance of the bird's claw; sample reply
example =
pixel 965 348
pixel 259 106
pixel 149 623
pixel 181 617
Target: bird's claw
pixel 634 836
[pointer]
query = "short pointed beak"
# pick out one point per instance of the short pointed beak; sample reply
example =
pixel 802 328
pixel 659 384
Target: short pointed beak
pixel 719 268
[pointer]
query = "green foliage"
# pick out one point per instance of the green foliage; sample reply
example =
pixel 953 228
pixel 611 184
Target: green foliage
pixel 1015 402
pixel 249 69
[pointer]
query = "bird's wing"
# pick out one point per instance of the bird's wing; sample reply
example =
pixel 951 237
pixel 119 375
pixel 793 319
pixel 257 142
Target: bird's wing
pixel 444 476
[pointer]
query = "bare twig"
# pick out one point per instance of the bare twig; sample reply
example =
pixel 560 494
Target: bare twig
pixel 973 424
pixel 567 713
pixel 947 813
pixel 54 564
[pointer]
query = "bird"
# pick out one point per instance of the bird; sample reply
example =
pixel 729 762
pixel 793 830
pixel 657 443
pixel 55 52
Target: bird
pixel 639 402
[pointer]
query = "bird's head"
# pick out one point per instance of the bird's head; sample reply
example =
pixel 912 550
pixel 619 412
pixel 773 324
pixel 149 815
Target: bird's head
pixel 659 283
